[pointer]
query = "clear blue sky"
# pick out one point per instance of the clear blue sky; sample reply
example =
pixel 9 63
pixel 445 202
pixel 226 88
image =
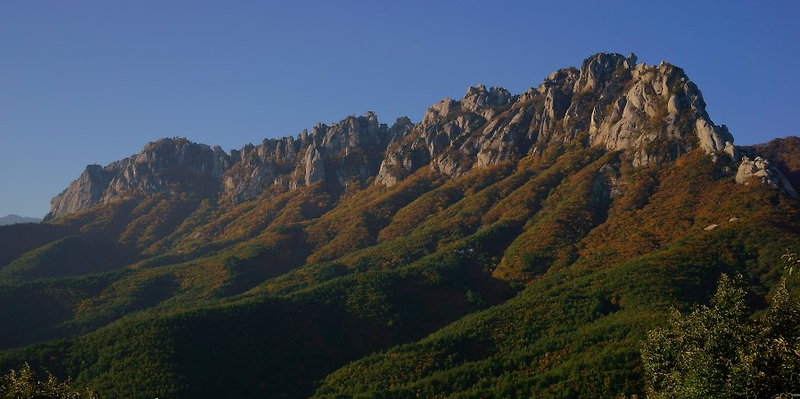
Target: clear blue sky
pixel 85 82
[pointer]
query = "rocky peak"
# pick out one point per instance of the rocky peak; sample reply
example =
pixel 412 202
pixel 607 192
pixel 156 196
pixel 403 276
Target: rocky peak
pixel 439 111
pixel 401 126
pixel 256 167
pixel 313 157
pixel 653 113
pixel 657 103
pixel 599 70
pixel 363 132
pixel 478 97
pixel 165 154
pixel 168 166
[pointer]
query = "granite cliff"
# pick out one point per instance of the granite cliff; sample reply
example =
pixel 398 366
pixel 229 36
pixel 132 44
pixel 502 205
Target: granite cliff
pixel 653 113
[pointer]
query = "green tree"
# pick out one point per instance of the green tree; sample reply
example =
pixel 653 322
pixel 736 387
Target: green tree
pixel 721 351
pixel 22 384
pixel 790 261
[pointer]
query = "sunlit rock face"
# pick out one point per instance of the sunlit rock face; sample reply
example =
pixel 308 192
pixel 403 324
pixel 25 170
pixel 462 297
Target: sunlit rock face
pixel 652 113
pixel 762 171
pixel 165 166
pixel 341 154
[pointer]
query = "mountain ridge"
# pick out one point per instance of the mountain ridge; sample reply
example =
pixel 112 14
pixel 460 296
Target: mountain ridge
pixel 654 113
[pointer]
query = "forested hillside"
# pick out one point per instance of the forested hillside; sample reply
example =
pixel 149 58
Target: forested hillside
pixel 506 246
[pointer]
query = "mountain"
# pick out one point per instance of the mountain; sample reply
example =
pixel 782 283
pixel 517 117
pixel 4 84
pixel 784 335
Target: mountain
pixel 655 113
pixel 12 219
pixel 507 245
pixel 351 150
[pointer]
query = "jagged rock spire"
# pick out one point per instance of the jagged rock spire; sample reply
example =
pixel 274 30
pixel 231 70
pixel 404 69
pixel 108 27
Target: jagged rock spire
pixel 622 105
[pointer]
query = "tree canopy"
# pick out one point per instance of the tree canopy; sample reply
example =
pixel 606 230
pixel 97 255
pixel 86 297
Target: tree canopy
pixel 23 384
pixel 722 351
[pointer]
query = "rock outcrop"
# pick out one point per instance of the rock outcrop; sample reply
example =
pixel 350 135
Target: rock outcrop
pixel 83 193
pixel 341 154
pixel 653 113
pixel 760 169
pixel 167 166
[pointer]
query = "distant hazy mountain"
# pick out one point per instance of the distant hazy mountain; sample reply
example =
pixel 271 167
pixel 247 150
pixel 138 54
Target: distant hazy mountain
pixel 13 219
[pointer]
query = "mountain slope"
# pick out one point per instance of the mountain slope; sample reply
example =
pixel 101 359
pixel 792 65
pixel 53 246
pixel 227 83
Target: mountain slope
pixel 505 246
pixel 574 331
